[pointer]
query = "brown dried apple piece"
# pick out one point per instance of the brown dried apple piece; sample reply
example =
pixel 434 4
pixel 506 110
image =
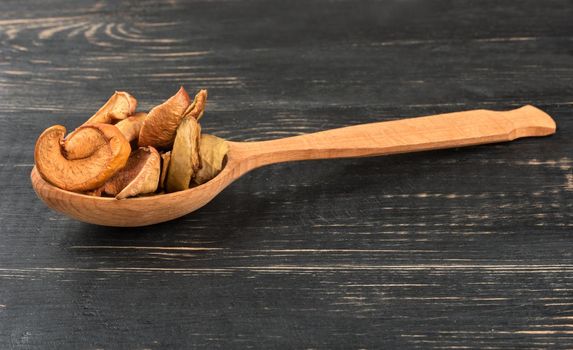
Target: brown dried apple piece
pixel 160 127
pixel 139 176
pixel 107 152
pixel 131 126
pixel 212 151
pixel 185 159
pixel 81 143
pixel 119 106
pixel 165 159
pixel 162 121
pixel 197 108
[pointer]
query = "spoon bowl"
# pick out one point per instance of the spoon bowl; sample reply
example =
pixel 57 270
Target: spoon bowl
pixel 131 212
pixel 399 136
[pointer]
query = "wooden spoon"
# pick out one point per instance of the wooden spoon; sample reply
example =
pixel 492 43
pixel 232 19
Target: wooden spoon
pixel 398 136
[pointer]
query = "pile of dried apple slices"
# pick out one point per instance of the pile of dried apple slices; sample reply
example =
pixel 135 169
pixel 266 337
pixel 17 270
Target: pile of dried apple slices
pixel 122 153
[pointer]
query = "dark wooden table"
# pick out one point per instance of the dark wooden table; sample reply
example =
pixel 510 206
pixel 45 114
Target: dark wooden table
pixel 463 248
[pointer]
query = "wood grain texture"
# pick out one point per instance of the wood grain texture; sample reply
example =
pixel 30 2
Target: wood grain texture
pixel 428 133
pixel 469 247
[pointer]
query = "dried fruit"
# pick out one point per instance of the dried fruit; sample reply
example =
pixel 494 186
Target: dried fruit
pixel 81 143
pixel 107 151
pixel 131 126
pixel 140 175
pixel 185 159
pixel 162 121
pixel 165 159
pixel 119 106
pixel 212 151
pixel 96 158
pixel 197 108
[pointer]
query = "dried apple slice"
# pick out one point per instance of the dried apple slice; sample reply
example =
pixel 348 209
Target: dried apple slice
pixel 131 126
pixel 140 175
pixel 162 121
pixel 119 106
pixel 212 151
pixel 197 108
pixel 165 159
pixel 107 151
pixel 185 159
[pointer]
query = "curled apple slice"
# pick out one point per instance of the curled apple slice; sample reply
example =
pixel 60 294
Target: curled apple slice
pixel 106 152
pixel 118 107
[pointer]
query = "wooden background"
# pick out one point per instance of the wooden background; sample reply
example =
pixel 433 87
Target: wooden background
pixel 464 248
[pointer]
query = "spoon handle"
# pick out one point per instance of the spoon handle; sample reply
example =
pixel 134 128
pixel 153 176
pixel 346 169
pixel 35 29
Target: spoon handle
pixel 400 136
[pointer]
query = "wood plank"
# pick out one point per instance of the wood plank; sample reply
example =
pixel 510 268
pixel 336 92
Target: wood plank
pixel 443 249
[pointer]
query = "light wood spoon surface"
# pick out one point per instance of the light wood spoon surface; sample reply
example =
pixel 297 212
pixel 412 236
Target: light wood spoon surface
pixel 399 136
